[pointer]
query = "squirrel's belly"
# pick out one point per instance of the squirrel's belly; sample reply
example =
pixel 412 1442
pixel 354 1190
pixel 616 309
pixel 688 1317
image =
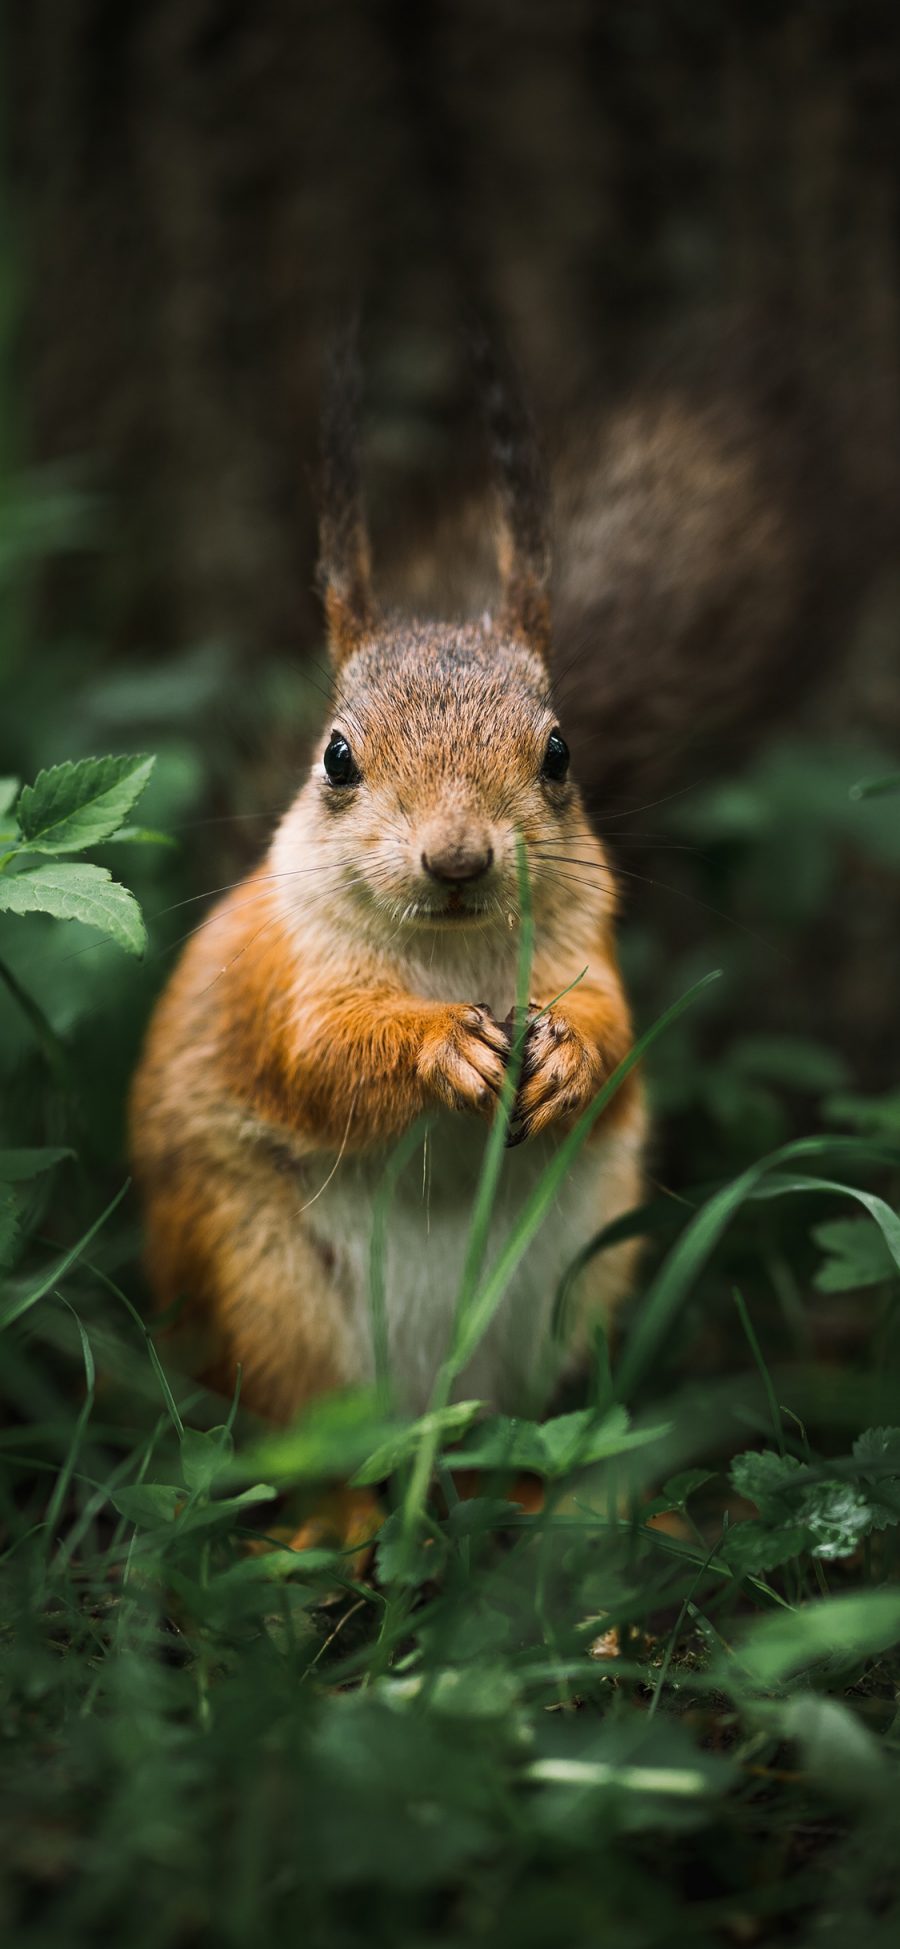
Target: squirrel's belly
pixel 518 1362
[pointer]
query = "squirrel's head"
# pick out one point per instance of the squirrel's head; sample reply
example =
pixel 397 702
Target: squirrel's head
pixel 444 743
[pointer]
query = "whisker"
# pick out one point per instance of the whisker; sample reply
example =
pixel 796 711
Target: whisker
pixel 632 811
pixel 344 1142
pixel 231 887
pixel 241 951
pixel 692 899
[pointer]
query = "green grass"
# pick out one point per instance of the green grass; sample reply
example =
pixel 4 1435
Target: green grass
pixel 572 1727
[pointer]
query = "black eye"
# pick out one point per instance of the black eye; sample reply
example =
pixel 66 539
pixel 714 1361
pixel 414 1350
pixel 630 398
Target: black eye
pixel 556 757
pixel 338 761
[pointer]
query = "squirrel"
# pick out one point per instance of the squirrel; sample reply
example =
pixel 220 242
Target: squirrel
pixel 362 978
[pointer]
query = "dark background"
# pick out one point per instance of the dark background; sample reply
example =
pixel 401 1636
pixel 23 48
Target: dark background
pixel 202 189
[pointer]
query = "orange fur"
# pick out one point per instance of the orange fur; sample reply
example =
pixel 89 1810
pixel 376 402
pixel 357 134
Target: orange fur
pixel 360 979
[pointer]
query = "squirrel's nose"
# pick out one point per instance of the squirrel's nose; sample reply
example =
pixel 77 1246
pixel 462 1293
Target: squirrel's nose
pixel 457 864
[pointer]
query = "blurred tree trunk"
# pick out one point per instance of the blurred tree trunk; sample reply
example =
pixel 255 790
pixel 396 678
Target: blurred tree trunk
pixel 204 187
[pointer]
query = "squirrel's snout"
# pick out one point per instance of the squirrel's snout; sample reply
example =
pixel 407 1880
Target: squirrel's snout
pixel 456 864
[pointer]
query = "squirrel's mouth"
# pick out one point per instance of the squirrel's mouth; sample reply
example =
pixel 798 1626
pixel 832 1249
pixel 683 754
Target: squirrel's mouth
pixel 455 911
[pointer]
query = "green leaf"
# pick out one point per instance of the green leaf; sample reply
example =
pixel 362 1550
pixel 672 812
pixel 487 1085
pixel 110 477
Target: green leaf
pixel 679 1272
pixel 767 1479
pixel 577 1441
pixel 885 1217
pixel 838 1516
pixel 445 1422
pixel 77 805
pixel 18 1166
pixel 835 1629
pixel 553 1448
pixel 149 1503
pixel 504 1442
pixel 836 1749
pixel 748 1548
pixel 676 1493
pixel 833 1514
pixel 9 788
pixel 140 836
pixel 85 893
pixel 404 1559
pixel 204 1456
pixel 333 1438
pixel 856 1255
pixel 476 1691
pixel 202 1515
pixel 878 1445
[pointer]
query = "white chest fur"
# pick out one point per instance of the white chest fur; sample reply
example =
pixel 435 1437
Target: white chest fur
pixel 426 1231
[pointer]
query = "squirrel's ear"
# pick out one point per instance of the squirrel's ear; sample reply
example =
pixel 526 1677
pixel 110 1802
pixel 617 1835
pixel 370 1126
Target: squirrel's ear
pixel 524 553
pixel 344 568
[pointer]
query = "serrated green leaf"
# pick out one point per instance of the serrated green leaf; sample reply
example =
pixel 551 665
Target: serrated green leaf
pixel 77 892
pixel 878 1445
pixel 856 1255
pixel 834 1514
pixel 750 1547
pixel 553 1448
pixel 19 1166
pixel 875 1447
pixel 838 1516
pixel 579 1440
pixel 767 1479
pixel 73 806
pixel 504 1442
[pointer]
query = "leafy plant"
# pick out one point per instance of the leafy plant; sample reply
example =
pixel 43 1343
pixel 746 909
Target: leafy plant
pixel 659 1702
pixel 73 808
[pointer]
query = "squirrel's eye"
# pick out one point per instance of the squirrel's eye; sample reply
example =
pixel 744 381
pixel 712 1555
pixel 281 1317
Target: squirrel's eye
pixel 339 762
pixel 556 757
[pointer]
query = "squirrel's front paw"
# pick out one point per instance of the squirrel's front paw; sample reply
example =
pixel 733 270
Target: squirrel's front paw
pixel 561 1074
pixel 464 1060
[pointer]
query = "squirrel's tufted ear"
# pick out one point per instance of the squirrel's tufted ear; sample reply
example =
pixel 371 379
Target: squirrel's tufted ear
pixel 344 567
pixel 524 553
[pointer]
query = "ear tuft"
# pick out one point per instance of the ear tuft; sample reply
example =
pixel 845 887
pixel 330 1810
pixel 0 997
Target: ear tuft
pixel 524 552
pixel 344 572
